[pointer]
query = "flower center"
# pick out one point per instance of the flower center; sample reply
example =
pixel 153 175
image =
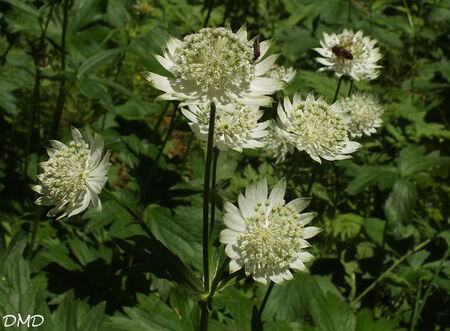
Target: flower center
pixel 271 241
pixel 315 125
pixel 66 173
pixel 215 58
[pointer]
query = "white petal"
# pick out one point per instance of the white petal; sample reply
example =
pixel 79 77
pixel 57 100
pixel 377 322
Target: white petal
pixel 265 65
pixel 228 236
pixel 277 194
pixel 234 266
pixel 299 204
pixel 305 218
pixel 310 232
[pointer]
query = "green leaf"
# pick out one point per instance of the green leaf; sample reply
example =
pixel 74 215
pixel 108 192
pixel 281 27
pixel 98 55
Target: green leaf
pixel 151 314
pixel 375 229
pixel 401 201
pixel 365 322
pixel 412 160
pixel 346 226
pixel 98 60
pixel 383 176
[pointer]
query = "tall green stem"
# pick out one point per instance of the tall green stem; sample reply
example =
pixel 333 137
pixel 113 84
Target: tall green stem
pixel 206 191
pixel 62 83
pixel 338 88
pixel 214 191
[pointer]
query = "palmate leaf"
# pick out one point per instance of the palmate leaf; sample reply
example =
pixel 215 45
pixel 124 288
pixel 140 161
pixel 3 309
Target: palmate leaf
pixel 346 226
pixel 383 176
pixel 412 160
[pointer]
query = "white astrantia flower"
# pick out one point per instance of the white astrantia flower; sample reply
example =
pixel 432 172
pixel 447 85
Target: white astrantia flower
pixel 281 73
pixel 316 128
pixel 74 175
pixel 236 126
pixel 278 143
pixel 361 112
pixel 349 54
pixel 265 235
pixel 216 65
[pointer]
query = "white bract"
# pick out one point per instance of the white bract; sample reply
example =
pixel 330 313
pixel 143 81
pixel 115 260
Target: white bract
pixel 265 235
pixel 361 112
pixel 74 175
pixel 236 126
pixel 363 65
pixel 216 65
pixel 316 128
pixel 278 142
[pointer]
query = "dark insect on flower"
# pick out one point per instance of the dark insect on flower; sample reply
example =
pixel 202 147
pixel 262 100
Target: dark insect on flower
pixel 256 49
pixel 342 52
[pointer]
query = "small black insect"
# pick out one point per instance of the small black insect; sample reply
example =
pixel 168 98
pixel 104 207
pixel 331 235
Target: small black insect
pixel 342 52
pixel 256 49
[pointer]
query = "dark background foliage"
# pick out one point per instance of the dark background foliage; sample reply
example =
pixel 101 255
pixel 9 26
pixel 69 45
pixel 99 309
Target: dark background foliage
pixel 73 62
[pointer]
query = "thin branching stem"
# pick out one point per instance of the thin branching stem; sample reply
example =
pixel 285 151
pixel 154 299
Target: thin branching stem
pixel 350 89
pixel 337 89
pixel 391 268
pixel 166 138
pixel 265 299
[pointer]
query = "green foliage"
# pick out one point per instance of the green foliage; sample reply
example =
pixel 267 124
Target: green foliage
pixel 100 271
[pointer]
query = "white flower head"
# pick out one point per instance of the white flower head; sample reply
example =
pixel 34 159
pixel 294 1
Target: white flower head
pixel 316 128
pixel 216 65
pixel 236 126
pixel 278 143
pixel 74 175
pixel 349 54
pixel 265 235
pixel 361 112
pixel 281 73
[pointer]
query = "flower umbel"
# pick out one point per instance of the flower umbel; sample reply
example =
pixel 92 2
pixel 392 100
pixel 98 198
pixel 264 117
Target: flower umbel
pixel 316 128
pixel 361 112
pixel 279 72
pixel 236 126
pixel 73 175
pixel 216 65
pixel 265 235
pixel 362 64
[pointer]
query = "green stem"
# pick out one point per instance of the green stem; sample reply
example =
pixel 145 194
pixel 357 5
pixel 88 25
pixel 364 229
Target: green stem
pixel 166 138
pixel 34 229
pixel 266 298
pixel 388 271
pixel 37 88
pixel 136 217
pixel 414 316
pixel 62 89
pixel 311 181
pixel 428 291
pixel 206 190
pixel 204 316
pixel 338 88
pixel 350 89
pixel 214 190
